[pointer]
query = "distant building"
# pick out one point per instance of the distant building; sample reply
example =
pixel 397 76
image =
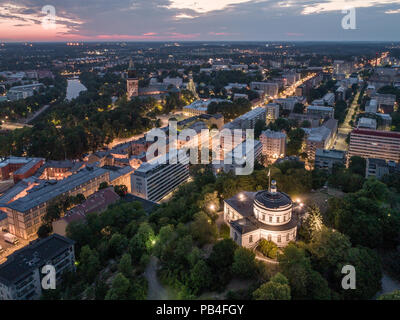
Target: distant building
pixel 326 159
pixel 23 92
pixel 273 145
pixel 253 216
pixel 248 120
pixel 367 123
pixel 132 82
pixel 241 154
pixel 21 275
pixel 386 102
pixel 58 170
pixel 320 138
pixel 19 167
pixel 325 112
pixel 269 88
pixel 378 168
pixel 121 176
pixel 272 110
pixel 371 106
pixel 375 144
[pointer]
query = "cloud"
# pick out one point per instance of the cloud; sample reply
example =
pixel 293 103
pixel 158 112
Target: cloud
pixel 339 5
pixel 204 6
pixel 392 11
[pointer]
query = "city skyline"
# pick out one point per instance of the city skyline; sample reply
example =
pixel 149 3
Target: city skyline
pixel 201 20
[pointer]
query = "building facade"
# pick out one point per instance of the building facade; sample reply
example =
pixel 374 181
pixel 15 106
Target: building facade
pixel 375 144
pixel 253 216
pixel 154 180
pixel 25 214
pixel 273 145
pixel 21 275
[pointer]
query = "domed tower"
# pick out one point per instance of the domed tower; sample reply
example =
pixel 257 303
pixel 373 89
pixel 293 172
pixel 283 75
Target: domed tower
pixel 266 214
pixel 132 83
pixel 272 207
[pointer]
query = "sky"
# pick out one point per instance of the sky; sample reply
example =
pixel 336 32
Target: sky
pixel 198 20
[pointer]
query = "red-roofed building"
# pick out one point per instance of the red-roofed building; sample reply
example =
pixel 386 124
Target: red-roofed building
pixel 97 202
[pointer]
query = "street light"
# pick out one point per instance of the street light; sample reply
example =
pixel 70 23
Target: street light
pixel 212 206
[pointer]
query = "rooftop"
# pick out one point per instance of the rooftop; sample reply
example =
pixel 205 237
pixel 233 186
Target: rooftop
pixel 32 256
pixel 51 189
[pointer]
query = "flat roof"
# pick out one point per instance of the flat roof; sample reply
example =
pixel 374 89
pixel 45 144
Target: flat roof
pixel 32 256
pixel 378 133
pixel 51 189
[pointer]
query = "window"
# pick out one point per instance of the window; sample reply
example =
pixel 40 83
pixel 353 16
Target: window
pixel 279 238
pixel 277 219
pixel 269 237
pixel 270 218
pixel 263 217
pixel 284 218
pixel 287 237
pixel 251 239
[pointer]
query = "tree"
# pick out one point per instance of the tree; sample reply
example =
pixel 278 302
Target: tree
pixel 142 242
pixel 312 223
pixel 395 295
pixel 268 248
pixel 125 265
pixel 103 185
pixel 89 263
pixel 368 271
pixel 357 165
pixel 44 231
pixel 220 262
pixel 121 190
pixel 296 267
pixel 276 289
pixel 243 263
pixel 119 289
pixel 202 229
pixel 200 277
pixel 328 248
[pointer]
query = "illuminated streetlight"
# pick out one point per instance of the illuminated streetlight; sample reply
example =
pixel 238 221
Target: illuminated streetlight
pixel 241 197
pixel 212 207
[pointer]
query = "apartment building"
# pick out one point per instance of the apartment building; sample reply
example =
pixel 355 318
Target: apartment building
pixel 248 120
pixel 272 111
pixel 325 112
pixel 327 159
pixel 25 214
pixel 273 145
pixel 21 275
pixel 375 144
pixel 269 88
pixel 157 178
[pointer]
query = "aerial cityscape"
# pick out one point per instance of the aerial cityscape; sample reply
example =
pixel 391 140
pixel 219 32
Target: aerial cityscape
pixel 210 163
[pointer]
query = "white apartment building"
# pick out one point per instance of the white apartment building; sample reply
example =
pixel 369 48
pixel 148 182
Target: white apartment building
pixel 273 144
pixel 155 179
